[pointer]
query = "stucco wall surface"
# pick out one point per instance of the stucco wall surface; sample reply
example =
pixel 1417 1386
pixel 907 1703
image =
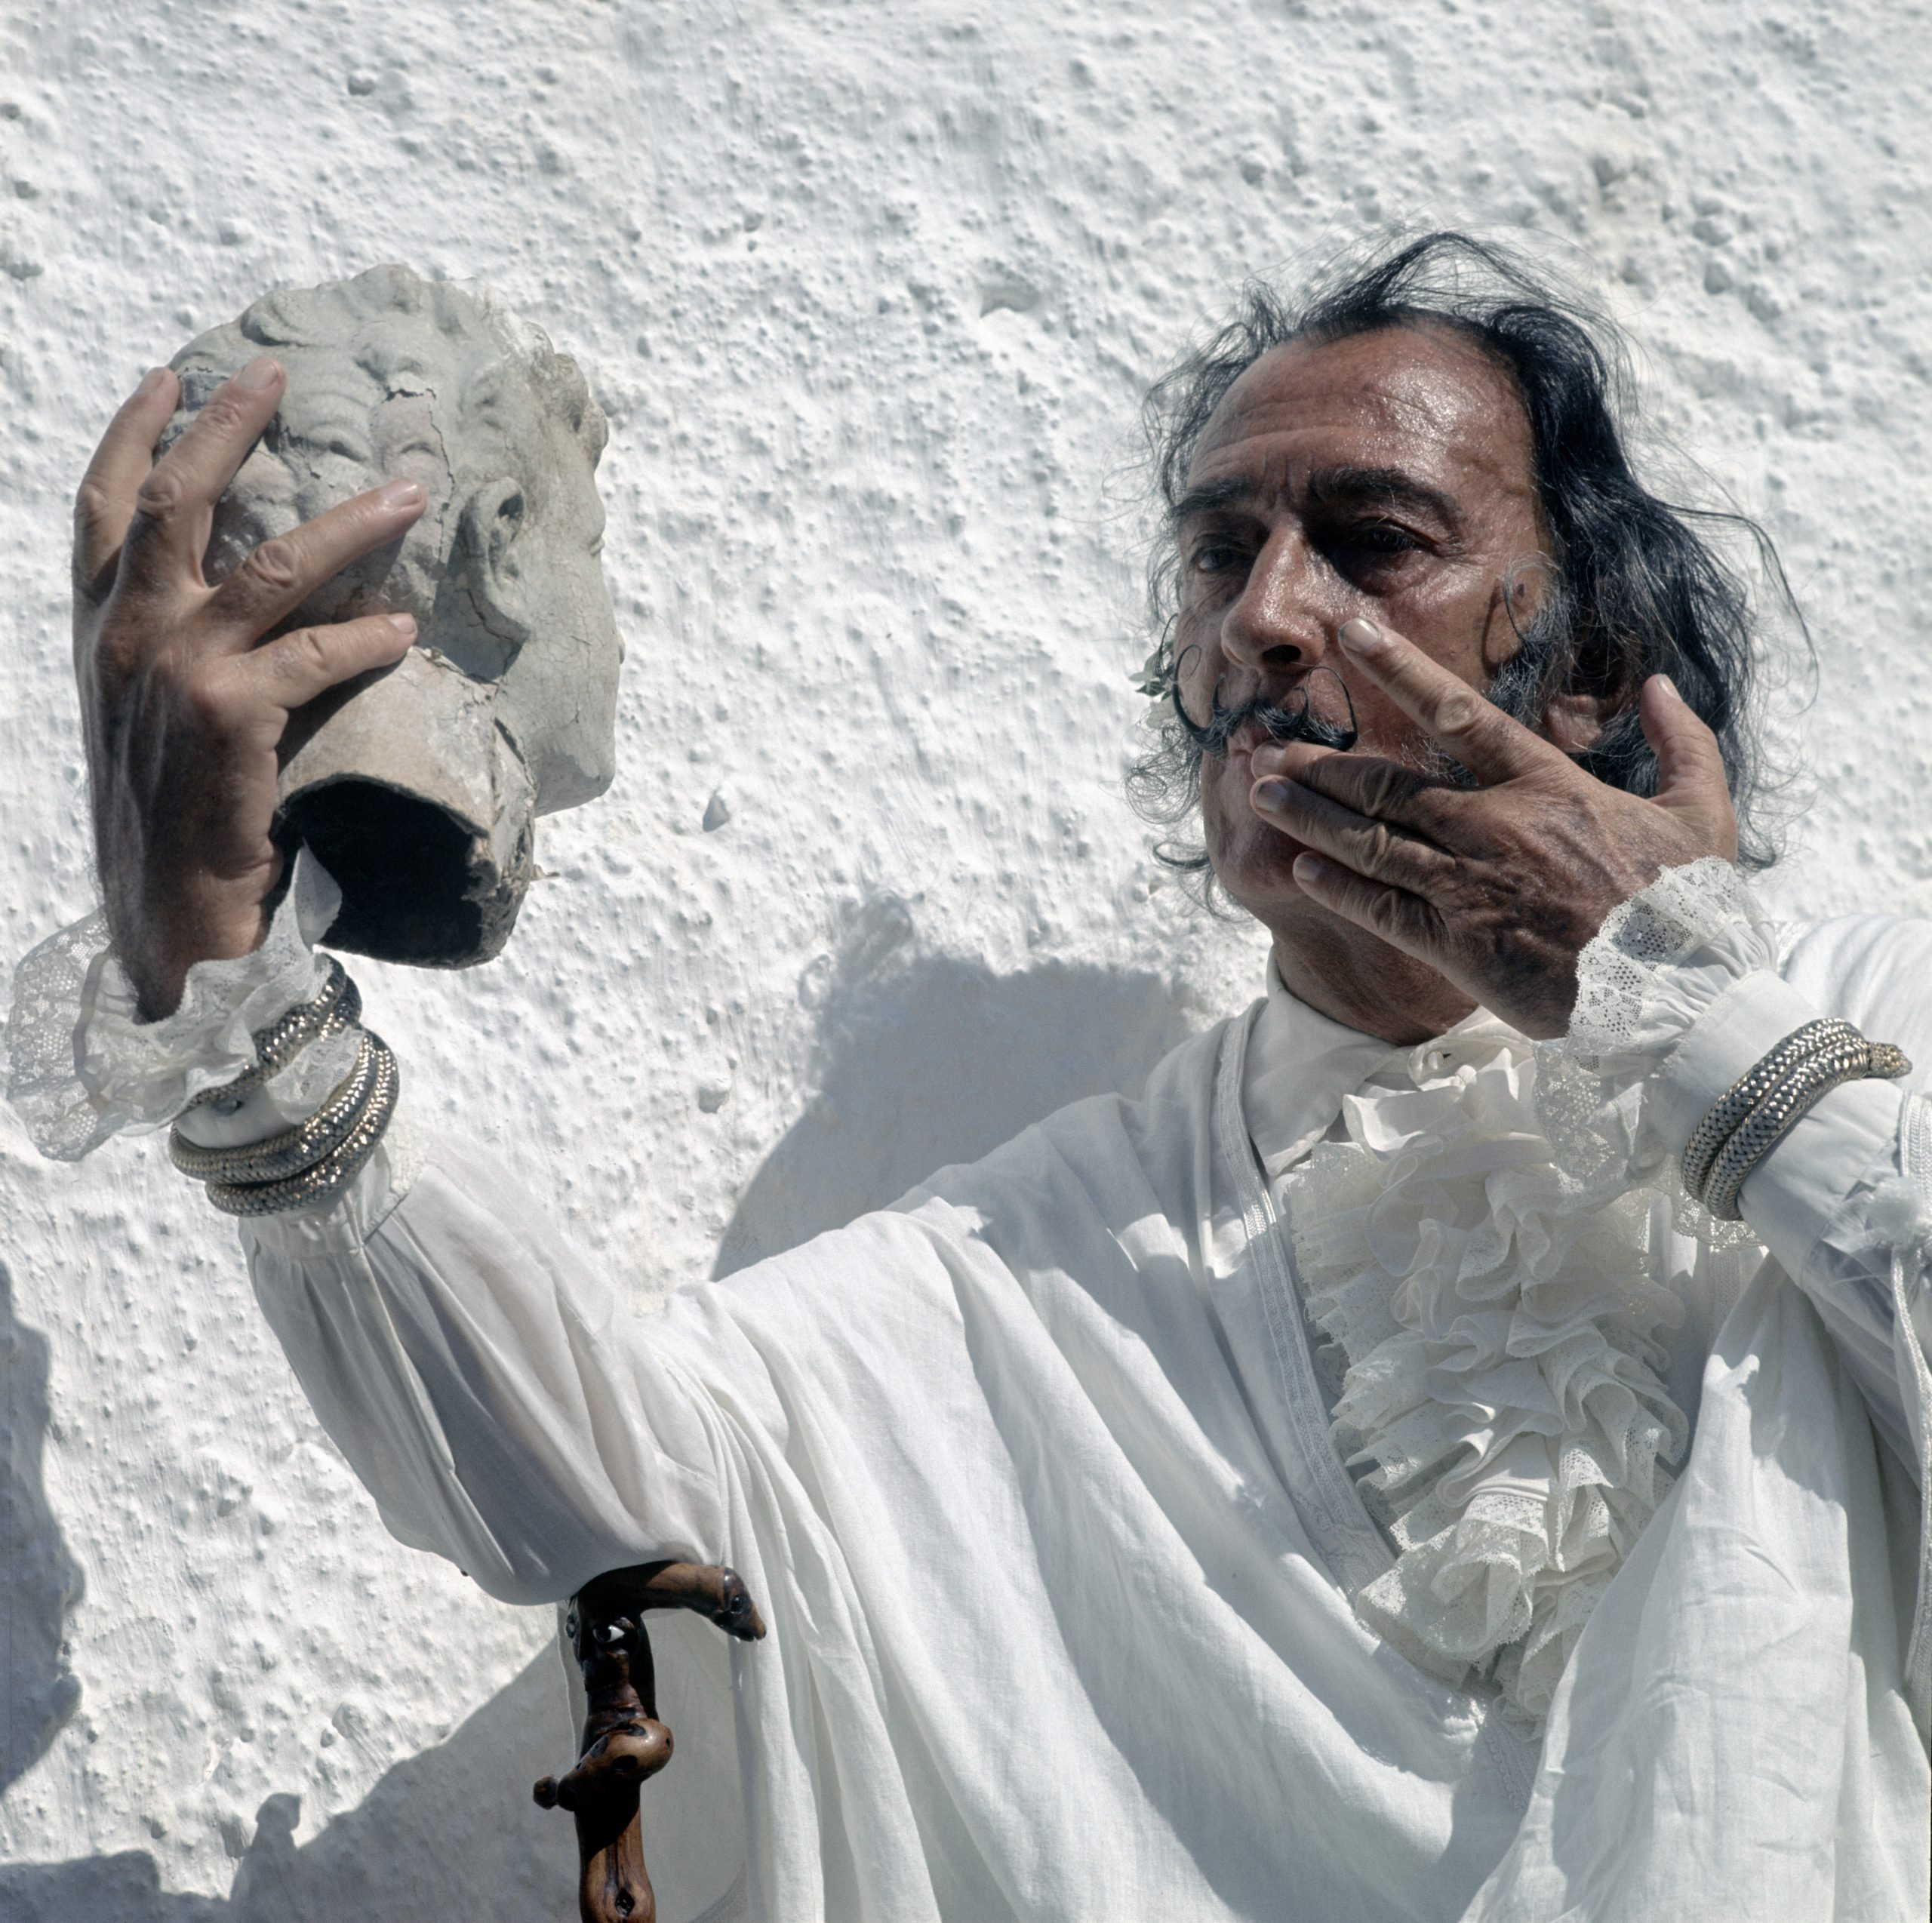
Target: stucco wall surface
pixel 869 292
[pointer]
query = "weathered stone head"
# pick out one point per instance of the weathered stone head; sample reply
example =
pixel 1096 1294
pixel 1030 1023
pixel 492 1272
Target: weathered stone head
pixel 419 788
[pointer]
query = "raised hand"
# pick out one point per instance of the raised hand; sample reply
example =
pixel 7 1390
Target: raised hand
pixel 1498 887
pixel 183 703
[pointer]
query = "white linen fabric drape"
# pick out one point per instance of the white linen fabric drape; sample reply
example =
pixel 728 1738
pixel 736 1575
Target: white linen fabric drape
pixel 1077 1611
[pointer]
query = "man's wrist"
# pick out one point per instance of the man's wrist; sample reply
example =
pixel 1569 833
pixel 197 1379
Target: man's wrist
pixel 1719 1047
pixel 1660 963
pixel 88 1063
pixel 1794 1191
pixel 157 946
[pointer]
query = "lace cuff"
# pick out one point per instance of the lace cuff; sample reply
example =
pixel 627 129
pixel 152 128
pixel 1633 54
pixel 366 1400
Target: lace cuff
pixel 1660 966
pixel 1660 960
pixel 83 1067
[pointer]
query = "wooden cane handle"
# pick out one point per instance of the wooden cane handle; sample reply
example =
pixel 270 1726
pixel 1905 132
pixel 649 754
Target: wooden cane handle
pixel 705 1587
pixel 623 1743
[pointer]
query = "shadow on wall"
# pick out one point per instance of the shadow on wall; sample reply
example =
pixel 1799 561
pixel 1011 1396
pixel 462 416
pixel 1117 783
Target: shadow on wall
pixel 919 1060
pixel 924 1060
pixel 39 1581
pixel 451 1832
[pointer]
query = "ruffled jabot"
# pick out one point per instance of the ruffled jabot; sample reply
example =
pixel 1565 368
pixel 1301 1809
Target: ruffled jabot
pixel 1497 1317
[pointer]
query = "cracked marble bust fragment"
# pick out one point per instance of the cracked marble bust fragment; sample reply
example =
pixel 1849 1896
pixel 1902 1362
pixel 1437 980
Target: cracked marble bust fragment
pixel 418 788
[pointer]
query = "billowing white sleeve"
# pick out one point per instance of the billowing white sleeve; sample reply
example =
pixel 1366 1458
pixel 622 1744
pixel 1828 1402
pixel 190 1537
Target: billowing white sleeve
pixel 482 1379
pixel 1683 992
pixel 502 1405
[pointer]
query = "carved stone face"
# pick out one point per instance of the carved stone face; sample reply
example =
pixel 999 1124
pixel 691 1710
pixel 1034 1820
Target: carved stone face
pixel 418 789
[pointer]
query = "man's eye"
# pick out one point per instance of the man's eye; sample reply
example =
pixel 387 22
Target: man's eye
pixel 1367 550
pixel 1379 537
pixel 1214 558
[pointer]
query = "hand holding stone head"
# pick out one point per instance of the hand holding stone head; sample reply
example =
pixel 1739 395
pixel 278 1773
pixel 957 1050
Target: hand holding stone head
pixel 418 785
pixel 183 704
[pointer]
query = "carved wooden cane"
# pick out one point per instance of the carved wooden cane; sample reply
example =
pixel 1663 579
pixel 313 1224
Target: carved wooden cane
pixel 624 1742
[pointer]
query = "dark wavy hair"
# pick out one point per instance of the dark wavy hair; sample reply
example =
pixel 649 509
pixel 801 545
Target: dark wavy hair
pixel 1637 586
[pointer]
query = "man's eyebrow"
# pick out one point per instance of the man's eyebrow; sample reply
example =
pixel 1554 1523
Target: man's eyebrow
pixel 1209 496
pixel 1385 487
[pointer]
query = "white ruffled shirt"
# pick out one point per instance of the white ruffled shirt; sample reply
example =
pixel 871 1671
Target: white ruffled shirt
pixel 1078 1608
pixel 1490 1359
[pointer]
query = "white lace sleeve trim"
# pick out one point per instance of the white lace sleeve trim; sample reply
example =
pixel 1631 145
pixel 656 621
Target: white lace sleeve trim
pixel 1661 959
pixel 1499 1320
pixel 83 1068
pixel 1659 963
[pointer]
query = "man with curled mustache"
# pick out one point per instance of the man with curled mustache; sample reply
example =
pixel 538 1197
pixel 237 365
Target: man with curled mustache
pixel 1453 1447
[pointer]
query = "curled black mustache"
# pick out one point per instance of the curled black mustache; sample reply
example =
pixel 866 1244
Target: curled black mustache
pixel 1296 722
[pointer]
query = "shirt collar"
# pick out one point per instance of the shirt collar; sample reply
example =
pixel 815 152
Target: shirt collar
pixel 1302 1065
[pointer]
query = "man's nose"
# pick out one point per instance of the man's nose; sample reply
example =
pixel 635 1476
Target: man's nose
pixel 1277 620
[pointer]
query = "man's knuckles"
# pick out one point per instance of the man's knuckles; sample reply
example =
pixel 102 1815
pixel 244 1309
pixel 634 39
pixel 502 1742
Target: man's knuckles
pixel 1350 778
pixel 211 700
pixel 163 495
pixel 1377 849
pixel 305 662
pixel 1385 790
pixel 1459 713
pixel 1399 917
pixel 278 568
pixel 1366 783
pixel 1384 910
pixel 94 518
pixel 230 414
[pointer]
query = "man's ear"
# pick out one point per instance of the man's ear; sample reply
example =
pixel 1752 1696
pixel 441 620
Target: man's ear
pixel 1575 720
pixel 1602 683
pixel 493 520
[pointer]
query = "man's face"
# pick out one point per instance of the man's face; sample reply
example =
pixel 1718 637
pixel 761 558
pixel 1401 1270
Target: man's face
pixel 1388 475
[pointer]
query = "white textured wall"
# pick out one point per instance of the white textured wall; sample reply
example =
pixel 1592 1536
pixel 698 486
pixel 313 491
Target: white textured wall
pixel 869 292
